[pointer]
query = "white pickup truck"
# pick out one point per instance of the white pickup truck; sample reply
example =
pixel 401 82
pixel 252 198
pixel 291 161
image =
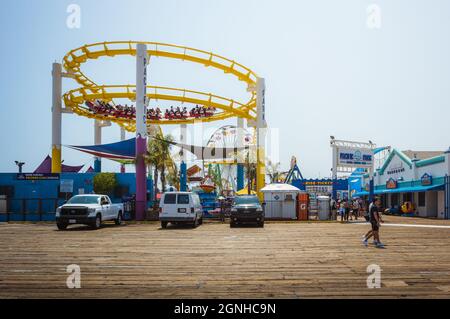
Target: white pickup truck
pixel 89 210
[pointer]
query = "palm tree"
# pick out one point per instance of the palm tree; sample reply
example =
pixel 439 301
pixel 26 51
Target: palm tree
pixel 158 157
pixel 152 159
pixel 173 176
pixel 273 170
pixel 250 172
pixel 165 157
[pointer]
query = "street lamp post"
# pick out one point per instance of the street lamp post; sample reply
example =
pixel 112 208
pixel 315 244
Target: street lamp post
pixel 19 165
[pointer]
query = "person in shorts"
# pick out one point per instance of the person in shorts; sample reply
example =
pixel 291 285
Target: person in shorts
pixel 366 212
pixel 375 221
pixel 355 209
pixel 347 209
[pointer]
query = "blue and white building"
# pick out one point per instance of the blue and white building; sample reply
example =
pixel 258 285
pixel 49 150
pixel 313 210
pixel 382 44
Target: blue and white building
pixel 409 176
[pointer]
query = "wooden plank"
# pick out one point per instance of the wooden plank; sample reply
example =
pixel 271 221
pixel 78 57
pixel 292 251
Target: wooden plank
pixel 283 260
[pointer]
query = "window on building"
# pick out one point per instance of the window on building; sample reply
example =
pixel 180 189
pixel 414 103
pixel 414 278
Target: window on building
pixel 407 197
pixel 289 197
pixel 422 199
pixel 394 199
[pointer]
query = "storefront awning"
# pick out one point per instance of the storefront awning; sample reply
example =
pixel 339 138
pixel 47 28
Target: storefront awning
pixel 411 189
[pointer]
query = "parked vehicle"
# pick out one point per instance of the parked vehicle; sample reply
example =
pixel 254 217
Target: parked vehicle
pixel 180 208
pixel 89 210
pixel 394 210
pixel 246 209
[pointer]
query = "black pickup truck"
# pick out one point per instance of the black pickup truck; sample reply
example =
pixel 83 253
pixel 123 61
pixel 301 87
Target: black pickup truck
pixel 246 209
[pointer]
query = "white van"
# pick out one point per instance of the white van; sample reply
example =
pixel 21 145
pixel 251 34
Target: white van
pixel 180 207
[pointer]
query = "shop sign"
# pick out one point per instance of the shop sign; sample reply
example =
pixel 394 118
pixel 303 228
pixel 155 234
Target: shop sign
pixel 426 180
pixel 355 157
pixel 318 183
pixel 396 169
pixel 66 186
pixel 391 184
pixel 37 176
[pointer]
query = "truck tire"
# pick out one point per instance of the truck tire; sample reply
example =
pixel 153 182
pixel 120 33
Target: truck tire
pixel 164 225
pixel 261 224
pixel 118 220
pixel 200 222
pixel 232 224
pixel 97 222
pixel 195 223
pixel 61 226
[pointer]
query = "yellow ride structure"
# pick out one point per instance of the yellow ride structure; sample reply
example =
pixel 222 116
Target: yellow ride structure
pixel 74 100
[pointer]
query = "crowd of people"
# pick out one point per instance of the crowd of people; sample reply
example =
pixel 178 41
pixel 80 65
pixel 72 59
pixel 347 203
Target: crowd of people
pixel 129 112
pixel 348 210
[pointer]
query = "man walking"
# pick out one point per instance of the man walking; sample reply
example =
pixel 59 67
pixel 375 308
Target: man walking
pixel 366 211
pixel 347 210
pixel 356 209
pixel 375 220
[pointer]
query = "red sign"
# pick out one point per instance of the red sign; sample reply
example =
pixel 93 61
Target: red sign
pixel 391 184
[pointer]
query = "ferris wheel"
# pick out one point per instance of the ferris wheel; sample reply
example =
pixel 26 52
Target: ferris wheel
pixel 223 169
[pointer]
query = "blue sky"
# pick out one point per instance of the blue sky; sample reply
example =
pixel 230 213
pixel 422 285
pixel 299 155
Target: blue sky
pixel 326 72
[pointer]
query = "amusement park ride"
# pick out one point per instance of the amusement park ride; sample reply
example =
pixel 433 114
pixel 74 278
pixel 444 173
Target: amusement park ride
pixel 99 102
pixel 222 171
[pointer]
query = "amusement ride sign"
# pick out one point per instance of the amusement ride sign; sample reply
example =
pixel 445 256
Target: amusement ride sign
pixel 391 184
pixel 37 176
pixel 355 157
pixel 426 180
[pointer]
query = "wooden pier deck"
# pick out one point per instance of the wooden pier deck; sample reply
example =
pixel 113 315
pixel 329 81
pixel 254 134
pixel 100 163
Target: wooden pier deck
pixel 283 260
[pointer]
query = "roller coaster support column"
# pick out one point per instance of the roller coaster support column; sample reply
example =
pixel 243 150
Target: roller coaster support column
pixel 240 159
pixel 122 138
pixel 141 131
pixel 183 177
pixel 261 126
pixel 183 167
pixel 334 174
pixel 56 117
pixel 371 186
pixel 183 140
pixel 97 141
pixel 98 125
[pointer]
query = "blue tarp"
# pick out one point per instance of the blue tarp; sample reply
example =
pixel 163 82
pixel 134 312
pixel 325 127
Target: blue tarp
pixel 411 189
pixel 120 150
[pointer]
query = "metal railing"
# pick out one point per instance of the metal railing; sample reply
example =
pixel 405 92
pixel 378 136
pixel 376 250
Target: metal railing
pixel 44 209
pixel 30 209
pixel 447 197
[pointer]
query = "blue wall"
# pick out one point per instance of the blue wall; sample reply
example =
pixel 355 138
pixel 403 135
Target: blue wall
pixel 47 190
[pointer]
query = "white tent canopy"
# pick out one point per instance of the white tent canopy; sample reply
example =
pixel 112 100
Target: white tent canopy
pixel 280 201
pixel 280 188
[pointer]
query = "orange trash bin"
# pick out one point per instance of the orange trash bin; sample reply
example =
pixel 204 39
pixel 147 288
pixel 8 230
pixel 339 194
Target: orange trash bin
pixel 302 206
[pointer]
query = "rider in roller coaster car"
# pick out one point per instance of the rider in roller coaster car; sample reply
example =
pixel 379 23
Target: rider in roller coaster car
pixel 129 112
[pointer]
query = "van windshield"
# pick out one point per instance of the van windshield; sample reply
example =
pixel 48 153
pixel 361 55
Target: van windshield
pixel 170 198
pixel 183 199
pixel 84 200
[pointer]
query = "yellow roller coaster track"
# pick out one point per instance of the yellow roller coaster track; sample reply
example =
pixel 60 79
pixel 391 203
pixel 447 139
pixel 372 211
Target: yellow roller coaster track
pixel 89 91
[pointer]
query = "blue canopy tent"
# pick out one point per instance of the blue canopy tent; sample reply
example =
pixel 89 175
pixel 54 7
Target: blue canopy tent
pixel 123 150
